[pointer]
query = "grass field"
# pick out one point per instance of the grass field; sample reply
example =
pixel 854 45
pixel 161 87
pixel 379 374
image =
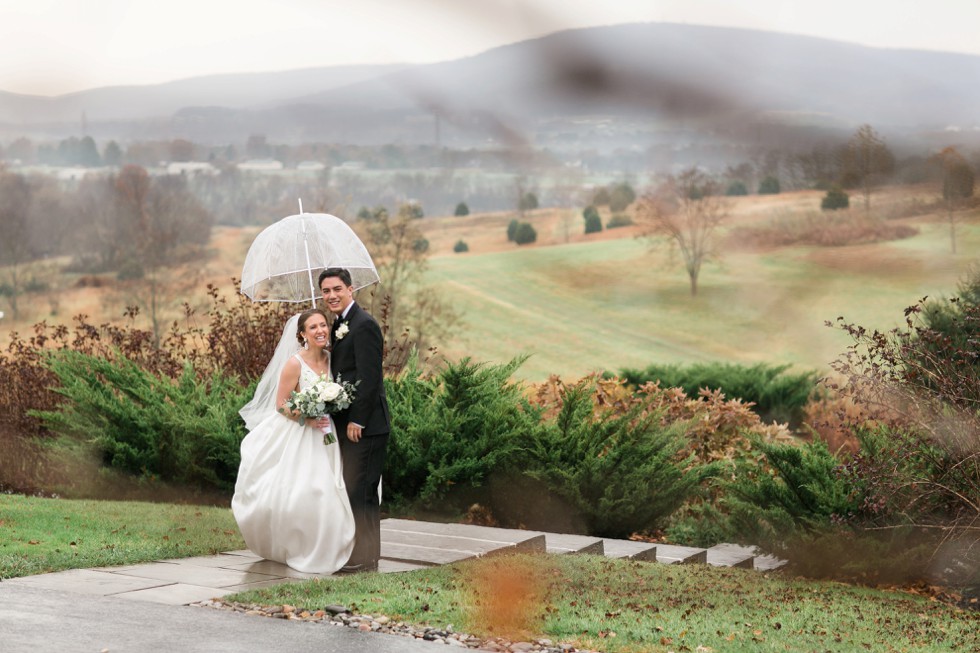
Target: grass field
pixel 621 605
pixel 43 535
pixel 580 303
pixel 592 601
pixel 614 303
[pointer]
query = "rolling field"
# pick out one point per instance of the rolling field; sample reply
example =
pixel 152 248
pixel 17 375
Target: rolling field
pixel 611 304
pixel 578 303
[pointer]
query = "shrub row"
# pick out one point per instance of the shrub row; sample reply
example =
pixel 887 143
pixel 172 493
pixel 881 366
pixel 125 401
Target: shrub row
pixel 185 430
pixel 591 457
pixel 777 396
pixel 821 229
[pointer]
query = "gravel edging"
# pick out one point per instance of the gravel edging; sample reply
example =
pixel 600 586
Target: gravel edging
pixel 340 616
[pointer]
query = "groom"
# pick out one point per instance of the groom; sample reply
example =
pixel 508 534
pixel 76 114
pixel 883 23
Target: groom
pixel 356 357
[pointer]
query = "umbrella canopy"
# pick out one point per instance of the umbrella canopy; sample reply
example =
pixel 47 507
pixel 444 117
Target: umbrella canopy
pixel 285 259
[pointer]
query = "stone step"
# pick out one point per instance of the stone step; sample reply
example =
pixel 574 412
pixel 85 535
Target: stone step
pixel 629 549
pixel 672 554
pixel 760 561
pixel 413 542
pixel 768 562
pixel 570 543
pixel 731 555
pixel 431 543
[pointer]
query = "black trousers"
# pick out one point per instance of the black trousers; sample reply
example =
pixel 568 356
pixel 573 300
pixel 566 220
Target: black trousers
pixel 363 462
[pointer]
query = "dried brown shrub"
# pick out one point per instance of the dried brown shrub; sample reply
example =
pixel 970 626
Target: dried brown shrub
pixel 718 428
pixel 833 418
pixel 822 230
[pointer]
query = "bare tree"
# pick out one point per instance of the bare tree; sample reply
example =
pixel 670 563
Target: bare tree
pixel 158 221
pixel 866 161
pixel 413 312
pixel 687 210
pixel 16 247
pixel 957 179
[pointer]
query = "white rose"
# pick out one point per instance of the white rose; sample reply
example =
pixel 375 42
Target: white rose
pixel 330 391
pixel 342 331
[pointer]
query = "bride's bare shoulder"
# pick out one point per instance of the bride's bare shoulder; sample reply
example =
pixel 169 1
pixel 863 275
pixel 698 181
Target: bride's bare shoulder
pixel 292 366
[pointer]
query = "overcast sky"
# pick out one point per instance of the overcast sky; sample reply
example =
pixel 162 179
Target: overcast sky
pixel 50 47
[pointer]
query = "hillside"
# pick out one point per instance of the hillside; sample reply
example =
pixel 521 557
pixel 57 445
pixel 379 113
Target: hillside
pixel 578 303
pixel 609 304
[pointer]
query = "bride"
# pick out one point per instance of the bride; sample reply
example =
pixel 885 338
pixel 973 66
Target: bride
pixel 290 501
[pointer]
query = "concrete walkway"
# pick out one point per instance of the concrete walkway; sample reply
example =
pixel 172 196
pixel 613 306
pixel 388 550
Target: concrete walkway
pixel 405 545
pixel 146 607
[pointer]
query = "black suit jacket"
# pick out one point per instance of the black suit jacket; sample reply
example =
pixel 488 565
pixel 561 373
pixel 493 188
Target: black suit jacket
pixel 357 358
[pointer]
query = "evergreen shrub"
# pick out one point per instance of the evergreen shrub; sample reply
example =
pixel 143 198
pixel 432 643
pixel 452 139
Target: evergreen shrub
pixel 184 430
pixel 593 223
pixel 452 430
pixel 525 234
pixel 619 220
pixel 778 396
pixel 736 188
pixel 621 472
pixel 835 199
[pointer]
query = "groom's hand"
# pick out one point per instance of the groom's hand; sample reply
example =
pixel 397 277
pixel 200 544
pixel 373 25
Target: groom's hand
pixel 354 432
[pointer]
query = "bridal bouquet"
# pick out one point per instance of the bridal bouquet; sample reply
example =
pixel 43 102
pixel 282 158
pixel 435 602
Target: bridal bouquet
pixel 325 397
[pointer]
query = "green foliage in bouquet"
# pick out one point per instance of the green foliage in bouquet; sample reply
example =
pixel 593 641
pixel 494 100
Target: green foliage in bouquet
pixel 185 430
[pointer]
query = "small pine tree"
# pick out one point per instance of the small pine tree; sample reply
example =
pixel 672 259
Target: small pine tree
pixel 461 247
pixel 593 223
pixel 525 234
pixel 769 186
pixel 835 199
pixel 461 210
pixel 512 229
pixel 737 188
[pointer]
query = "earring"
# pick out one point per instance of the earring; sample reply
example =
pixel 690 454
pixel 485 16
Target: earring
pixel 306 344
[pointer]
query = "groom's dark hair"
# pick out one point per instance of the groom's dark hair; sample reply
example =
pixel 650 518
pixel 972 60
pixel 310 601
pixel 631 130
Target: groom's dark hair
pixel 335 272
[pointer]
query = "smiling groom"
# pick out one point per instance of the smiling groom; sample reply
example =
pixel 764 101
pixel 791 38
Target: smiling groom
pixel 356 357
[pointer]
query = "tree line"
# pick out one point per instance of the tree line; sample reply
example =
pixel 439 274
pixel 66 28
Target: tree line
pixel 126 222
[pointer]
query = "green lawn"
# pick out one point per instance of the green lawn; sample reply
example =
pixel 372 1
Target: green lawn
pixel 612 304
pixel 591 601
pixel 41 535
pixel 618 605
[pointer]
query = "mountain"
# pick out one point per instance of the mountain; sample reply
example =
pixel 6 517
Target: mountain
pixel 644 76
pixel 241 90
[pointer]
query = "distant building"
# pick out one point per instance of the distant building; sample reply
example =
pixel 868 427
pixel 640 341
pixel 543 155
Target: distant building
pixel 191 168
pixel 260 165
pixel 72 173
pixel 310 166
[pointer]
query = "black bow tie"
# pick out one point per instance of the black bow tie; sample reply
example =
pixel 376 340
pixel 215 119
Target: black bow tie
pixel 337 323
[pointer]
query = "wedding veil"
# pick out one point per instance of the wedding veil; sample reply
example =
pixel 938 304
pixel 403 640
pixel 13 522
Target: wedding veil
pixel 263 402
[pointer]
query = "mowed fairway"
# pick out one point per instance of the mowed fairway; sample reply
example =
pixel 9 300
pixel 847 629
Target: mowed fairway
pixel 613 303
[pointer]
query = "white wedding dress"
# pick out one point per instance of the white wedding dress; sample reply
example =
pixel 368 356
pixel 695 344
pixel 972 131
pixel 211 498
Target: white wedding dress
pixel 290 501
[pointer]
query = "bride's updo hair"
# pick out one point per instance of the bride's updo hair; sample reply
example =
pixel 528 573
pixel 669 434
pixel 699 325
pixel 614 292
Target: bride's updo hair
pixel 301 325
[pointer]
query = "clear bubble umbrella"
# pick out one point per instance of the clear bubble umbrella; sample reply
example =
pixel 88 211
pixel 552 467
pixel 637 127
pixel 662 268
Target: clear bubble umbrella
pixel 285 259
